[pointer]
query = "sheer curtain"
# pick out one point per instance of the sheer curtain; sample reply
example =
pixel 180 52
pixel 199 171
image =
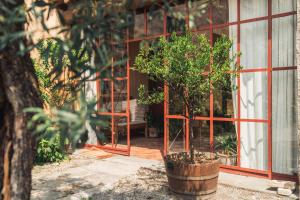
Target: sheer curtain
pixel 253 86
pixel 254 89
pixel 283 88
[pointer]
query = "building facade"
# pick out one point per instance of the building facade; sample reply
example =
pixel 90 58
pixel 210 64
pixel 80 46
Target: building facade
pixel 260 114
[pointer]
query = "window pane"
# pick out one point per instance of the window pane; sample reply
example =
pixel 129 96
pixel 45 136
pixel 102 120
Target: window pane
pixel 105 96
pixel 254 95
pixel 104 133
pixel 254 45
pixel 120 96
pixel 176 105
pixel 176 142
pixel 138 26
pixel 284 41
pixel 281 6
pixel 120 132
pixel 176 18
pixel 284 130
pixel 155 22
pixel 225 142
pixel 225 100
pixel 198 14
pixel 254 145
pixel 253 8
pixel 200 135
pixel 224 11
pixel 120 58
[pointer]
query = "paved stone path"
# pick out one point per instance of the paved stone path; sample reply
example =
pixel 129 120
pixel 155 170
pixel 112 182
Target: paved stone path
pixel 97 175
pixel 84 175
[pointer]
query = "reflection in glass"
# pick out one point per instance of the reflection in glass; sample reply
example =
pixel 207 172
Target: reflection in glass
pixel 176 18
pixel 198 14
pixel 155 22
pixel 138 26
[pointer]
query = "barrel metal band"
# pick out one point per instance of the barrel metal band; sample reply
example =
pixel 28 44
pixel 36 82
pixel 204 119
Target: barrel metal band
pixel 193 178
pixel 207 192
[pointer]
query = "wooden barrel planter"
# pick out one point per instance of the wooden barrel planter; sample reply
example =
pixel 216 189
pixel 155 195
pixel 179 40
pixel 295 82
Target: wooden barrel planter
pixel 199 179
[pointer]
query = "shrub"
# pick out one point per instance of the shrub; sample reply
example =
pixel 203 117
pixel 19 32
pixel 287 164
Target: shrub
pixel 49 150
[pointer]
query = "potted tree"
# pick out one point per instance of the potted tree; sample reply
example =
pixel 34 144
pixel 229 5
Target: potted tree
pixel 191 68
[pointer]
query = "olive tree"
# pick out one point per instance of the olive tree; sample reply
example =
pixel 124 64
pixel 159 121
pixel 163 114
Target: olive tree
pixel 190 67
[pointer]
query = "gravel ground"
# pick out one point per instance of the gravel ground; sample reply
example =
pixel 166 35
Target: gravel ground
pixel 63 181
pixel 149 184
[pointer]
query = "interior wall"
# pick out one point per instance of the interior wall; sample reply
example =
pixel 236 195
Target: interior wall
pixel 136 78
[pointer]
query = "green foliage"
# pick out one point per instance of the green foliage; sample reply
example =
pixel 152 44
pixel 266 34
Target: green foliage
pixel 49 150
pixel 226 144
pixel 51 92
pixel 152 98
pixel 183 62
pixel 71 125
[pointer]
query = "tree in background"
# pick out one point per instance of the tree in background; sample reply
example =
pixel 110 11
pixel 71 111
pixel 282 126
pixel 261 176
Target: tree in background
pixel 90 27
pixel 93 26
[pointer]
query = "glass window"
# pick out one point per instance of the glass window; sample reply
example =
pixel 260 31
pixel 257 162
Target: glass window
pixel 176 141
pixel 284 130
pixel 155 24
pixel 224 11
pixel 254 45
pixel 138 25
pixel 254 95
pixel 282 6
pixel 198 14
pixel 224 105
pixel 120 96
pixel 120 132
pixel 201 135
pixel 284 41
pixel 176 105
pixel 176 18
pixel 105 96
pixel 253 9
pixel 254 145
pixel 225 142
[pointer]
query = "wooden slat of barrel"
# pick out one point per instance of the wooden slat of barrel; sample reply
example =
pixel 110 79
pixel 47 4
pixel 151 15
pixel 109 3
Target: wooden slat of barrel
pixel 189 187
pixel 193 179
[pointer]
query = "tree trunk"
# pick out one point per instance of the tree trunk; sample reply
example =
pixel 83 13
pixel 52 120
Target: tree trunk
pixel 18 90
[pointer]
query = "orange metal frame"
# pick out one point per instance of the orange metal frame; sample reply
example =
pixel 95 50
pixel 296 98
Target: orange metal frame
pixel 211 27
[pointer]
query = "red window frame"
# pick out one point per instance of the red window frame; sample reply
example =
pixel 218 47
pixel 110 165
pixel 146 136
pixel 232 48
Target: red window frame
pixel 269 69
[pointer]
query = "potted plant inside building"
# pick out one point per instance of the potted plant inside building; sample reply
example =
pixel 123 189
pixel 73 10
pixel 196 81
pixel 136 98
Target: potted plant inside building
pixel 226 148
pixel 152 130
pixel 191 68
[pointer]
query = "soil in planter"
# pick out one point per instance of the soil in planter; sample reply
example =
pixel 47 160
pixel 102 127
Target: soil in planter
pixel 184 157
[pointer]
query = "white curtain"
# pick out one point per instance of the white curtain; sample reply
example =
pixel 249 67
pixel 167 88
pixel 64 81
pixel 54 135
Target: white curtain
pixel 283 90
pixel 253 88
pixel 90 91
